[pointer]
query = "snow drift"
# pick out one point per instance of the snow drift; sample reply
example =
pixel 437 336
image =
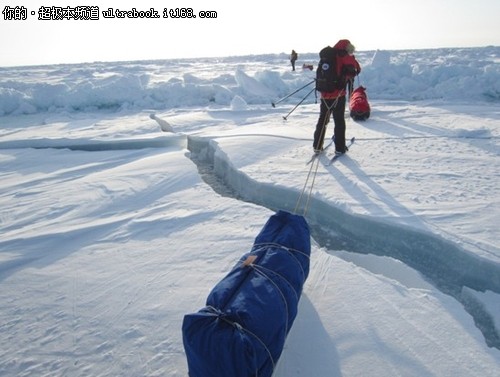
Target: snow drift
pixel 401 75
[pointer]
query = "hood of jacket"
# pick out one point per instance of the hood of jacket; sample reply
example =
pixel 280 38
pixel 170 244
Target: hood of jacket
pixel 345 45
pixel 342 44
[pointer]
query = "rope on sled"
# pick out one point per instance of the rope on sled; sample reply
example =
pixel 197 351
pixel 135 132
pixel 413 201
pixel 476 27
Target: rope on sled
pixel 222 316
pixel 267 274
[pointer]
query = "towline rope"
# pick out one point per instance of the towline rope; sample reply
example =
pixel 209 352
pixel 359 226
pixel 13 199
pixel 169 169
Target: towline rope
pixel 313 169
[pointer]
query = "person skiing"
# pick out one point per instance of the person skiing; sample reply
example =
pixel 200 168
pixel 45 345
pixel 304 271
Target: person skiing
pixel 293 59
pixel 333 102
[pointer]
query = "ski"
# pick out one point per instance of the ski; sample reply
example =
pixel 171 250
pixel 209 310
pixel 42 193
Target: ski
pixel 315 155
pixel 332 160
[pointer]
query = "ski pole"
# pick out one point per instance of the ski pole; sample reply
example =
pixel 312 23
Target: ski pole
pixel 297 105
pixel 291 94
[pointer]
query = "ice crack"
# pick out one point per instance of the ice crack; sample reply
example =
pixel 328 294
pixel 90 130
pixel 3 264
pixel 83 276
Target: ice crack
pixel 446 265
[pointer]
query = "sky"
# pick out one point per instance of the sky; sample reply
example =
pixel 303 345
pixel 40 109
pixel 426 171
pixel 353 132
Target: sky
pixel 241 29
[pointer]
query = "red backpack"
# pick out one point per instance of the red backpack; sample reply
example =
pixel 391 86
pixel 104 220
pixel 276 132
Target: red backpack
pixel 358 104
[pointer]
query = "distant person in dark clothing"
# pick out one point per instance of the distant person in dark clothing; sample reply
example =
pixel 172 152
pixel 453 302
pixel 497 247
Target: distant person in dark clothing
pixel 293 59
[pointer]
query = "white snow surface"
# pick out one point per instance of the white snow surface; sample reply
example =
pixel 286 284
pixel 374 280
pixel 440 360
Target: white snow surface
pixel 128 190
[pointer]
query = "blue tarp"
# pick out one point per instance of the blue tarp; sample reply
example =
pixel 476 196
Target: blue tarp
pixel 242 330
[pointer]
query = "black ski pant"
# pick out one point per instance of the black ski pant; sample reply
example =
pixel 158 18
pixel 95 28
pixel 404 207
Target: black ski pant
pixel 336 108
